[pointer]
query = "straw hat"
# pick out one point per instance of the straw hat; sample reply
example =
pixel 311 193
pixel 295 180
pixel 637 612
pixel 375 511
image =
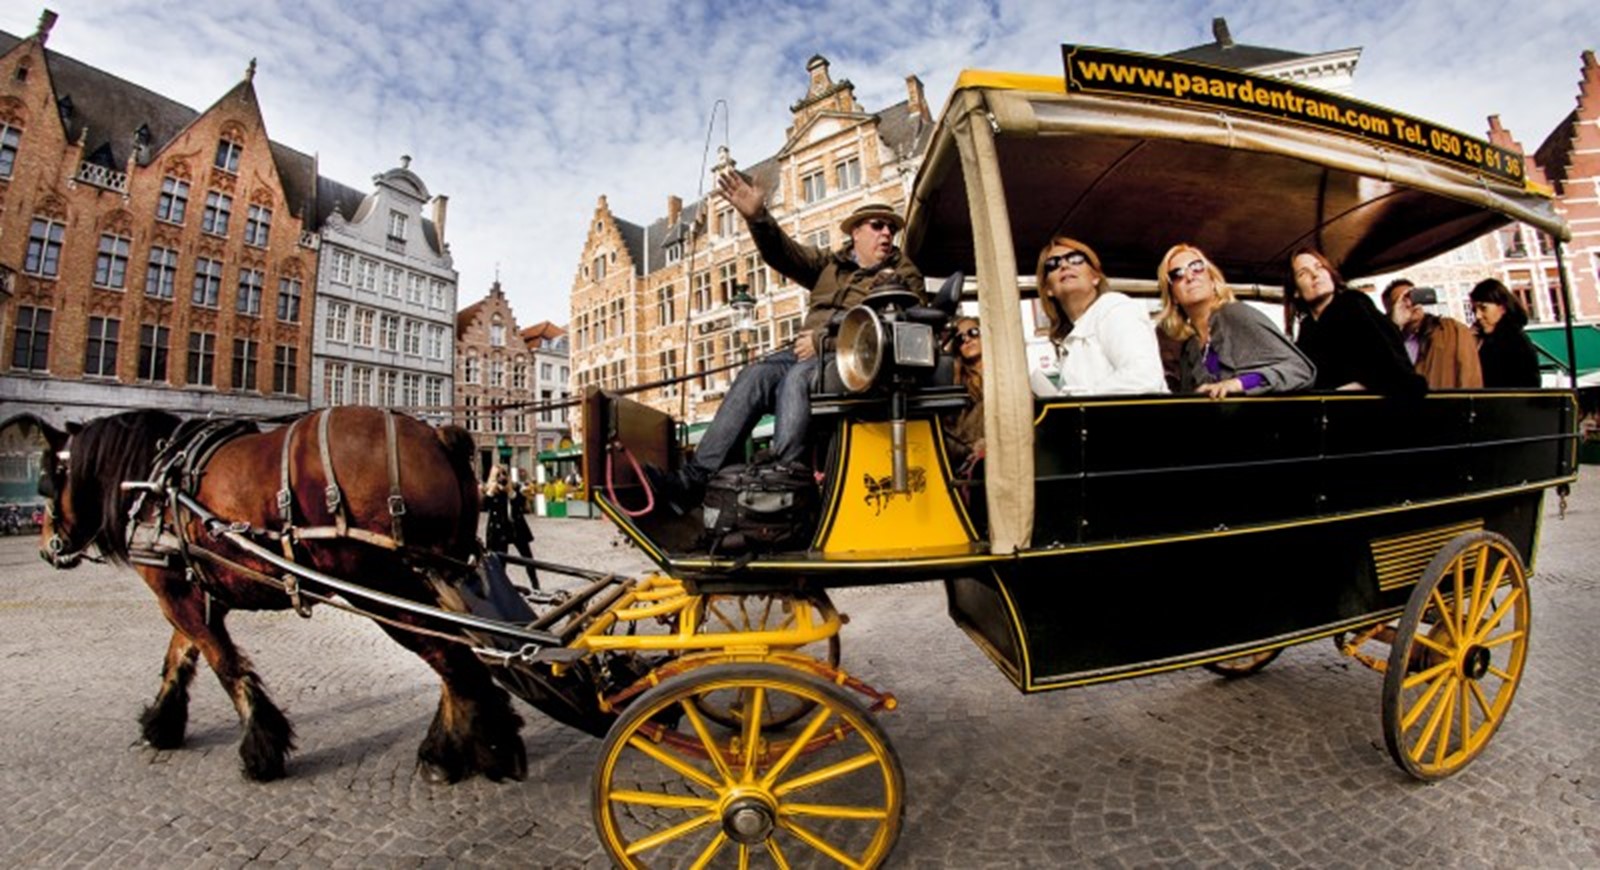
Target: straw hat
pixel 872 211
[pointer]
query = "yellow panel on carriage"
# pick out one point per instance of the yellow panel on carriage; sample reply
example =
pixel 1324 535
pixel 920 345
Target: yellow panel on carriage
pixel 864 512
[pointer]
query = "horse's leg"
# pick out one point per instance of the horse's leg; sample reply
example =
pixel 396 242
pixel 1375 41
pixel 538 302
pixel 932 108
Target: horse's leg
pixel 268 736
pixel 474 728
pixel 162 723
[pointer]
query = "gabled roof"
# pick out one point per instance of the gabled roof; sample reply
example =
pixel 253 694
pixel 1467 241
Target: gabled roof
pixel 538 334
pixel 632 239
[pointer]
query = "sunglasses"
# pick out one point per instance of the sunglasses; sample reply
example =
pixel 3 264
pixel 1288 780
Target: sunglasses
pixel 878 225
pixel 1194 269
pixel 970 334
pixel 1070 258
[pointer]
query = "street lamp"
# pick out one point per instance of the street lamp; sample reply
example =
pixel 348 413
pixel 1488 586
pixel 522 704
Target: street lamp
pixel 744 316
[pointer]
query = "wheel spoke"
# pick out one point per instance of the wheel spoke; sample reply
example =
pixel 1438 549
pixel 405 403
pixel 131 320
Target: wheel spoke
pixel 1502 674
pixel 744 856
pixel 1447 721
pixel 670 834
pixel 1460 621
pixel 1466 714
pixel 1481 699
pixel 817 721
pixel 1499 613
pixel 659 799
pixel 711 851
pixel 752 733
pixel 777 854
pixel 706 740
pixel 821 845
pixel 1503 639
pixel 1421 677
pixel 831 772
pixel 1421 746
pixel 827 811
pixel 677 765
pixel 1421 706
pixel 1434 645
pixel 1446 617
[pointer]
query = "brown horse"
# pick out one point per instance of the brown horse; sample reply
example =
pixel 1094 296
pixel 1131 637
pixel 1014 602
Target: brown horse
pixel 474 728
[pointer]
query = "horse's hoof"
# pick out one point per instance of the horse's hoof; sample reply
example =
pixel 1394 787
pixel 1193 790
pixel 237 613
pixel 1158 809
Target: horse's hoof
pixel 262 771
pixel 434 773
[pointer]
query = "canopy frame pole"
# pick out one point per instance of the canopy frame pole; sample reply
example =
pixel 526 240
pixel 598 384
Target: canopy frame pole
pixel 1566 310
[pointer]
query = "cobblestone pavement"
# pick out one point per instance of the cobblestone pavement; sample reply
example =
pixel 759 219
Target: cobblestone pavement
pixel 1287 768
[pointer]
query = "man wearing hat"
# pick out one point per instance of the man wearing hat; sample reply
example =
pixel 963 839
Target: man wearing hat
pixel 781 381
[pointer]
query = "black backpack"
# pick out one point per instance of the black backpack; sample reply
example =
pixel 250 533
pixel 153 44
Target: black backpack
pixel 762 508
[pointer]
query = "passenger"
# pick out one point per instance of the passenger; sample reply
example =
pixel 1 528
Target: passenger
pixel 507 508
pixel 964 430
pixel 1228 347
pixel 1442 349
pixel 1352 344
pixel 781 381
pixel 1504 350
pixel 1104 340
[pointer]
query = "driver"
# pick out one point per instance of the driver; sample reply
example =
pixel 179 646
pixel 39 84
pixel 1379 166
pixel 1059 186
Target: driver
pixel 781 381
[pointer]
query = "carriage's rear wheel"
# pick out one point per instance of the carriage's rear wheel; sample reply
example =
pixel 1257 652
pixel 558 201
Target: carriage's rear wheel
pixel 674 789
pixel 1243 666
pixel 1457 656
pixel 750 613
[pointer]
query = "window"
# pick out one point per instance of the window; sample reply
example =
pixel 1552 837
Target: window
pixel 44 248
pixel 669 371
pixel 434 397
pixel 161 273
pixel 819 239
pixel 725 223
pixel 497 373
pixel 153 352
pixel 666 305
pixel 519 374
pixel 702 361
pixel 249 301
pixel 207 282
pixel 288 300
pixel 674 253
pixel 387 396
pixel 519 423
pixel 201 371
pixel 472 413
pixel 333 383
pixel 497 419
pixel 546 372
pixel 361 385
pixel 700 293
pixel 338 328
pixel 244 364
pixel 257 225
pixel 727 279
pixel 219 207
pixel 343 261
pixel 436 295
pixel 368 275
pixel 285 368
pixel 436 342
pixel 414 284
pixel 397 226
pixel 472 371
pixel 31 350
pixel 10 139
pixel 1547 246
pixel 228 152
pixel 174 200
pixel 848 173
pixel 411 389
pixel 1511 242
pixel 111 263
pixel 100 349
pixel 412 338
pixel 389 332
pixel 497 332
pixel 545 398
pixel 391 282
pixel 365 318
pixel 813 187
pixel 599 271
pixel 755 274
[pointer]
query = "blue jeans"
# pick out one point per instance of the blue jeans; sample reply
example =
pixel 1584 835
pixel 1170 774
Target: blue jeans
pixel 779 382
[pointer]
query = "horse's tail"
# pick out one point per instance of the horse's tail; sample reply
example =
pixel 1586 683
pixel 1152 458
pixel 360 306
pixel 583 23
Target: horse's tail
pixel 459 446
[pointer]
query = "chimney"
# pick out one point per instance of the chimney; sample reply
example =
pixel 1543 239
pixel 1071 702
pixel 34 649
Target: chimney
pixel 817 66
pixel 440 204
pixel 1219 29
pixel 916 101
pixel 47 20
pixel 674 210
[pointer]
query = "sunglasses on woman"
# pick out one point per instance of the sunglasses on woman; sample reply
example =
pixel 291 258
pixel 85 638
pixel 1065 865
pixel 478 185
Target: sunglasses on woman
pixel 1070 258
pixel 1194 269
pixel 969 334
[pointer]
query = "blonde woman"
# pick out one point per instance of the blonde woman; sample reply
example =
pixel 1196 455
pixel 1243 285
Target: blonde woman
pixel 1104 341
pixel 964 429
pixel 1228 347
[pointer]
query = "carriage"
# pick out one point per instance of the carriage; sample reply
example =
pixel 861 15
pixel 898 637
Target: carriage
pixel 1104 538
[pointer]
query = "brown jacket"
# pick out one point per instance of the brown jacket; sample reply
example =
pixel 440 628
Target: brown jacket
pixel 835 281
pixel 1447 354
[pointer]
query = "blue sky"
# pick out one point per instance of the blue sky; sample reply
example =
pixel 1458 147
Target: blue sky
pixel 524 113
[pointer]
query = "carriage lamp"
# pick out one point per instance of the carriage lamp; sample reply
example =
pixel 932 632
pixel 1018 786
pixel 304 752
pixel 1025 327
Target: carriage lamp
pixel 744 315
pixel 888 338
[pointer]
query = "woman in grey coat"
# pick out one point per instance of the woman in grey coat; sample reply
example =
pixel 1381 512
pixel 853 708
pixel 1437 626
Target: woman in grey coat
pixel 1228 347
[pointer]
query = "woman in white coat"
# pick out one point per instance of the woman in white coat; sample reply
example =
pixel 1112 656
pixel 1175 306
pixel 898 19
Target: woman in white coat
pixel 1105 342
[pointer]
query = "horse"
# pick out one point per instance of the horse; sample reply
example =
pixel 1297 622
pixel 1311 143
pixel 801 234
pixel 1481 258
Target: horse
pixel 324 489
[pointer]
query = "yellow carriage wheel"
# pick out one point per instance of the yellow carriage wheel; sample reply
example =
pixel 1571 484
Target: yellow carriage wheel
pixel 1243 666
pixel 723 614
pixel 674 789
pixel 1457 656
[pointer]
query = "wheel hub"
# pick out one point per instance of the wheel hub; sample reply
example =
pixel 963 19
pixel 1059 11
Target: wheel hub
pixel 1475 663
pixel 749 819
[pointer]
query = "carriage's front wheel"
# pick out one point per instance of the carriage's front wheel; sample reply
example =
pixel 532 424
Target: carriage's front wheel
pixel 673 788
pixel 745 614
pixel 1243 666
pixel 1457 656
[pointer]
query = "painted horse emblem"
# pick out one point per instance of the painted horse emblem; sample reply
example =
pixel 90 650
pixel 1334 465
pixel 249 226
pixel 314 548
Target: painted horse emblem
pixel 880 490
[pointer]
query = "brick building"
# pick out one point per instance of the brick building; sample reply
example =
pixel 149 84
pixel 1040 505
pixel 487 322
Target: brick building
pixel 551 373
pixel 650 301
pixel 160 256
pixel 495 383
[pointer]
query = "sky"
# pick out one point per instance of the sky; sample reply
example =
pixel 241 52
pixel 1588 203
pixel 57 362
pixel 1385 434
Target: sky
pixel 525 113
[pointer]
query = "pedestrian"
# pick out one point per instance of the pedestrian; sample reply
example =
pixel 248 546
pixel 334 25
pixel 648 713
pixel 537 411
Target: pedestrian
pixel 507 508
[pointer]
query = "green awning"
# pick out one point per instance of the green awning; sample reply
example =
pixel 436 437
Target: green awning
pixel 1551 342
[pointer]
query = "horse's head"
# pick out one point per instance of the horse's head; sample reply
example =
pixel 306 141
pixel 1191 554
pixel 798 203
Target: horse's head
pixel 59 541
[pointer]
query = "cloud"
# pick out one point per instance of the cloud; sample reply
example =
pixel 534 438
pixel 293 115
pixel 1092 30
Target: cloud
pixel 524 114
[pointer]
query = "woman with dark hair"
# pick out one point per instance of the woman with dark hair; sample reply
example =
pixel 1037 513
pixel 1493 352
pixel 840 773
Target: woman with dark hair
pixel 507 527
pixel 1504 351
pixel 1347 338
pixel 1228 347
pixel 1104 341
pixel 964 429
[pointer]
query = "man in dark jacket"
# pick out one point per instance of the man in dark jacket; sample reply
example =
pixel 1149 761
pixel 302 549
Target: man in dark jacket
pixel 781 381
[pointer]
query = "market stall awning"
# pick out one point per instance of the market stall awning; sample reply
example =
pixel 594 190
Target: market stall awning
pixel 1551 342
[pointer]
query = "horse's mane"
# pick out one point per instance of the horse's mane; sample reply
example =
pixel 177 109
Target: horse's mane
pixel 106 452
